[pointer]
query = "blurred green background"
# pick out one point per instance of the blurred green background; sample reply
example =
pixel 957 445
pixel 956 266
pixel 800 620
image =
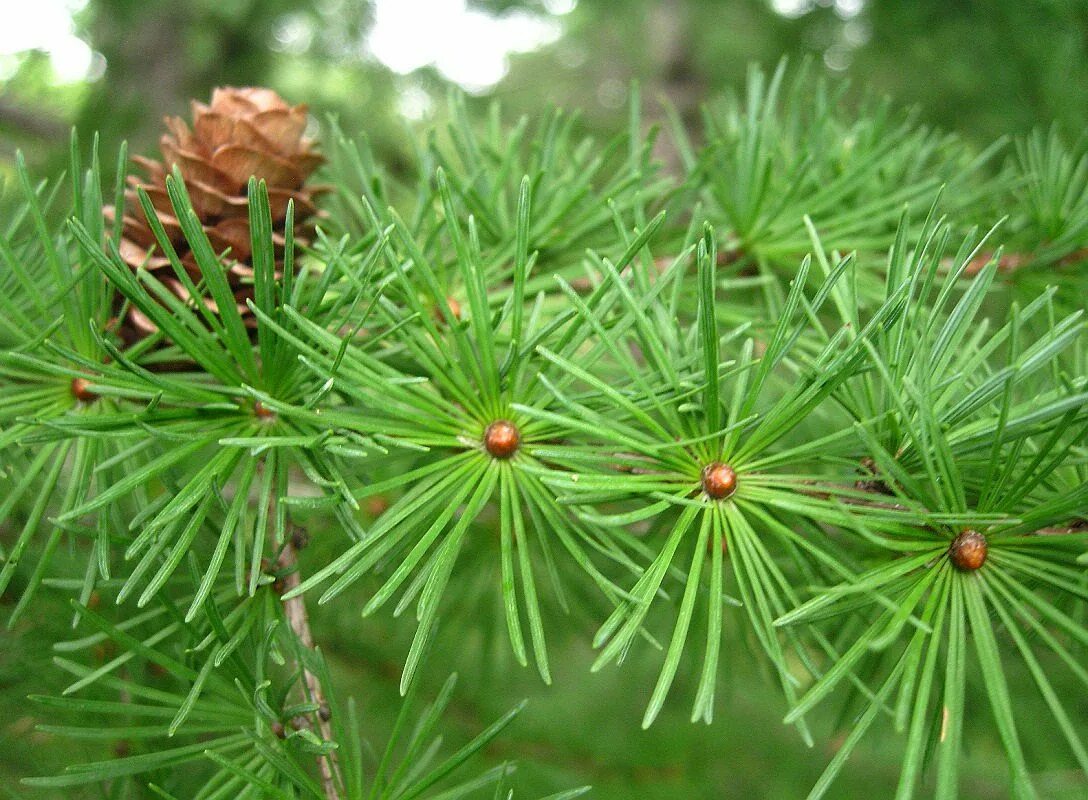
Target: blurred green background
pixel 982 68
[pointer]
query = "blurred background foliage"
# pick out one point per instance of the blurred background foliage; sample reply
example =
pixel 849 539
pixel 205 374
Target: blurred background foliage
pixel 983 68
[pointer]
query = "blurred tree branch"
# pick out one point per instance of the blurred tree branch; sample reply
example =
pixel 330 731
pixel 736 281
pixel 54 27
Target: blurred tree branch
pixel 30 123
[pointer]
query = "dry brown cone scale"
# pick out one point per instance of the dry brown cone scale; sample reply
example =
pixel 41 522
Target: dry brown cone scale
pixel 242 133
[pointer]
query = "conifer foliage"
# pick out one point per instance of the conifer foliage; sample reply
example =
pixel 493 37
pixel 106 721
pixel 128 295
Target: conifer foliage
pixel 820 401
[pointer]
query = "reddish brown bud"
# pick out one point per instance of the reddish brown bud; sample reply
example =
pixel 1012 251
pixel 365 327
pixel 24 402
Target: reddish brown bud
pixel 871 483
pixel 324 712
pixel 300 537
pixel 439 312
pixel 278 730
pixel 968 551
pixel 719 480
pixel 262 411
pixel 377 505
pixel 710 546
pixel 501 439
pixel 81 390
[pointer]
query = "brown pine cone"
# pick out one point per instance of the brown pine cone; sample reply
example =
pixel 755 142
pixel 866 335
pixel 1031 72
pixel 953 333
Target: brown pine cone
pixel 244 132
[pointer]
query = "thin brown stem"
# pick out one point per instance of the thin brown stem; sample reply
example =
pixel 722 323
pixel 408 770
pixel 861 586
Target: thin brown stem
pixel 299 620
pixel 1011 262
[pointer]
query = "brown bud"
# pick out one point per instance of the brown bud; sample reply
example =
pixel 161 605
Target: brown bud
pixel 719 480
pixel 710 546
pixel 968 551
pixel 455 310
pixel 81 390
pixel 871 483
pixel 377 505
pixel 278 730
pixel 300 537
pixel 262 411
pixel 324 712
pixel 501 439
